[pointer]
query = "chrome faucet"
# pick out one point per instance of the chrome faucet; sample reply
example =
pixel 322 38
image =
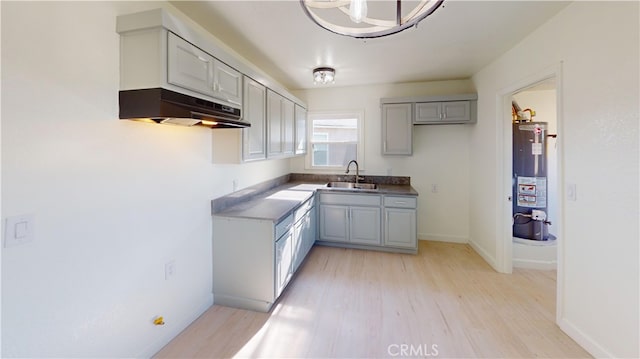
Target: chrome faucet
pixel 357 170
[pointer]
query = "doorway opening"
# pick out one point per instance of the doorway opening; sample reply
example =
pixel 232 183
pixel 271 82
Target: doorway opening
pixel 549 78
pixel 535 177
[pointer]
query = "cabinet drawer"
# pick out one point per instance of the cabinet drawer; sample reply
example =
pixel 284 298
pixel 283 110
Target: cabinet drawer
pixel 400 202
pixel 350 199
pixel 303 209
pixel 283 226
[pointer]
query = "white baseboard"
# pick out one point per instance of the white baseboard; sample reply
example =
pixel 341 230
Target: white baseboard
pixel 534 264
pixel 484 254
pixel 442 238
pixel 585 341
pixel 166 337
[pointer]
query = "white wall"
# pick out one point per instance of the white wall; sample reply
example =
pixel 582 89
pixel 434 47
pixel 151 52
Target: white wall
pixel 597 43
pixel 440 153
pixel 113 200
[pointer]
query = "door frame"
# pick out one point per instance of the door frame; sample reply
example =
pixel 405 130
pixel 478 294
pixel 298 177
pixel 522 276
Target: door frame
pixel 504 245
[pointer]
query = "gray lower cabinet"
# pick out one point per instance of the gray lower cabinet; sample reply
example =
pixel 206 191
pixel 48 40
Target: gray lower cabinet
pixel 350 218
pixel 305 235
pixel 356 220
pixel 364 225
pixel 254 260
pixel 400 228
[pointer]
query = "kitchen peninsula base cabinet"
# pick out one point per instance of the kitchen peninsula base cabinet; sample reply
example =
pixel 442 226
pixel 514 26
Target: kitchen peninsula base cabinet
pixel 254 260
pixel 355 221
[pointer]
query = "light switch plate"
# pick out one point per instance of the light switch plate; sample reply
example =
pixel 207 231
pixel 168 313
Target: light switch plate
pixel 571 192
pixel 18 230
pixel 169 269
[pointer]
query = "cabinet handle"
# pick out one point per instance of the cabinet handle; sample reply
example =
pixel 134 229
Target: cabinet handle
pixel 444 114
pixel 400 202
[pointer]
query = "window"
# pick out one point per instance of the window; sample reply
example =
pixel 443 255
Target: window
pixel 335 139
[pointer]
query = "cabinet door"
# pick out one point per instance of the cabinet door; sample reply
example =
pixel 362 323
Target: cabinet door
pixel 301 130
pixel 298 244
pixel 227 83
pixel 305 237
pixel 188 66
pixel 311 233
pixel 443 112
pixel 288 126
pixel 428 112
pixel 284 261
pixel 456 111
pixel 274 125
pixel 364 225
pixel 400 228
pixel 254 137
pixel 334 223
pixel 397 129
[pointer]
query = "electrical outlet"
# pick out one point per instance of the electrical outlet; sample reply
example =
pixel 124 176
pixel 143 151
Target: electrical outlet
pixel 169 269
pixel 434 188
pixel 235 185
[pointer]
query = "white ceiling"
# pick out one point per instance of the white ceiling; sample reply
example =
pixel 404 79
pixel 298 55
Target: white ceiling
pixel 455 42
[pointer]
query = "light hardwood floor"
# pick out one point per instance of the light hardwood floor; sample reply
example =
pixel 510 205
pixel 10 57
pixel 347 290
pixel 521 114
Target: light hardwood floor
pixel 444 302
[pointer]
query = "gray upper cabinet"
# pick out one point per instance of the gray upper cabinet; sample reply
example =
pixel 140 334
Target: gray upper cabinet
pixel 188 66
pixel 193 69
pixel 301 130
pixel 288 127
pixel 280 126
pixel 275 139
pixel 397 129
pixel 227 83
pixel 254 137
pixel 447 112
pixel 438 110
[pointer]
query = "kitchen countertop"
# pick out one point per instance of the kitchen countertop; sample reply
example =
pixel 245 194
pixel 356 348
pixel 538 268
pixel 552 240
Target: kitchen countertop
pixel 277 203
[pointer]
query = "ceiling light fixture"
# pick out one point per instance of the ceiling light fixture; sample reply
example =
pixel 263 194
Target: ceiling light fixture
pixel 326 13
pixel 324 75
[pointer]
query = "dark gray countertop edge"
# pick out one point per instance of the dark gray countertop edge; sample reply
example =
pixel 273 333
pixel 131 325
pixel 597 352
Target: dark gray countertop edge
pixel 230 205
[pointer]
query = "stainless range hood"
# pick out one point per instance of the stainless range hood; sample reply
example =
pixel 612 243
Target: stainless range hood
pixel 165 106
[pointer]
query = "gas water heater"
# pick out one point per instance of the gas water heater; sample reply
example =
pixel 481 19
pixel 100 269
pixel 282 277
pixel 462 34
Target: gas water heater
pixel 530 181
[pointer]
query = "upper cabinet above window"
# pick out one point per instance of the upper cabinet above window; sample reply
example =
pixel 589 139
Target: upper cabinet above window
pixel 439 110
pixel 445 112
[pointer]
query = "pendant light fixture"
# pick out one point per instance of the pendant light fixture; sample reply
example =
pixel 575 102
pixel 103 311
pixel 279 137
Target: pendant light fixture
pixel 330 15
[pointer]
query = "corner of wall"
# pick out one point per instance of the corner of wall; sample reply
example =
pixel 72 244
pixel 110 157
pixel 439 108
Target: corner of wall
pixel 484 254
pixel 585 341
pixel 173 332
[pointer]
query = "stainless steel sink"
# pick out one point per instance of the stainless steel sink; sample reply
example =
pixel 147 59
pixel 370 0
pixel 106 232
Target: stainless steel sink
pixel 352 185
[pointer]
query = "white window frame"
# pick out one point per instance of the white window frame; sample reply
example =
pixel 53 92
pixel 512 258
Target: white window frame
pixel 335 115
